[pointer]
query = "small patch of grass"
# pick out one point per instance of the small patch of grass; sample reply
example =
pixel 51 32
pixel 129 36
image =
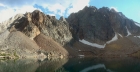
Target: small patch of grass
pixel 8 55
pixel 2 54
pixel 16 56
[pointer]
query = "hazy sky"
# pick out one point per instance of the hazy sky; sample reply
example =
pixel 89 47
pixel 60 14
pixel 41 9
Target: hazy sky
pixel 9 8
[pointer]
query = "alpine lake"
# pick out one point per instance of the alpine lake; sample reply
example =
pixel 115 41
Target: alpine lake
pixel 125 64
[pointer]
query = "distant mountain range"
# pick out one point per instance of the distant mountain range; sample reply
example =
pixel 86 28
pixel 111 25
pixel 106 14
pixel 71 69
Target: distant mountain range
pixel 90 32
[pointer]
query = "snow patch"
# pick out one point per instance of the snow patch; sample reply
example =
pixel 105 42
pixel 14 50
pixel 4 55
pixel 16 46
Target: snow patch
pixel 128 33
pixel 92 44
pixel 113 39
pixel 137 24
pixel 137 36
pixel 120 35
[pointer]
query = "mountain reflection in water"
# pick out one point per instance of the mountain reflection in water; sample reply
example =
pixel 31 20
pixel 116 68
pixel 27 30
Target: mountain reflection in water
pixel 125 64
pixel 72 65
pixel 26 65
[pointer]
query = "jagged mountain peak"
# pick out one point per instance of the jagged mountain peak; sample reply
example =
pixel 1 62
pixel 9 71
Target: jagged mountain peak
pixel 62 19
pixel 100 25
pixel 36 22
pixel 97 28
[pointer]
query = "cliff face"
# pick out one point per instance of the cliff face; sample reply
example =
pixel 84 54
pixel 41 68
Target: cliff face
pixel 32 24
pixel 89 24
pixel 100 25
pixel 105 28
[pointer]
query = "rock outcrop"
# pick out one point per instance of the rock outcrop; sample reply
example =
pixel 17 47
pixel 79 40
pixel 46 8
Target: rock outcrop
pixel 32 24
pixel 33 35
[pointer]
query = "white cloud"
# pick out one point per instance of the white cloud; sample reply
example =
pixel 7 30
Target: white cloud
pixel 115 8
pixel 78 5
pixel 51 14
pixel 57 9
pixel 2 5
pixel 9 12
pixel 9 8
pixel 60 6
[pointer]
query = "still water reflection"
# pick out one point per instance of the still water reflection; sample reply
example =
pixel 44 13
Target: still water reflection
pixel 103 65
pixel 72 65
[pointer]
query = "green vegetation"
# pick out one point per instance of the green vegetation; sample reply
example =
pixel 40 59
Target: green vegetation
pixel 4 55
pixel 15 55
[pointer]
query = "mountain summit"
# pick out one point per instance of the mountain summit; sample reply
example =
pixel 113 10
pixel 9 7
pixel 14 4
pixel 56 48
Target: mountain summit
pixel 104 28
pixel 101 25
pixel 33 34
pixel 89 32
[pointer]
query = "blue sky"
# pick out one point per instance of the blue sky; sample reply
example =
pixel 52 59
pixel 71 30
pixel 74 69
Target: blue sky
pixel 9 8
pixel 130 8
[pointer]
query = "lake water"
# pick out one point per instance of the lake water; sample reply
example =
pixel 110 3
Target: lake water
pixel 72 65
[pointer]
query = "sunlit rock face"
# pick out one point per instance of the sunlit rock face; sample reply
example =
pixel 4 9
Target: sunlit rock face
pixel 32 24
pixel 18 35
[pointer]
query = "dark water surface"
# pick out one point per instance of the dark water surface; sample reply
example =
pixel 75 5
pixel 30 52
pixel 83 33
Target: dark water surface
pixel 72 65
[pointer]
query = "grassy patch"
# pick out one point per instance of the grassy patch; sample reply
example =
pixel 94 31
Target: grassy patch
pixel 15 55
pixel 2 54
pixel 8 56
